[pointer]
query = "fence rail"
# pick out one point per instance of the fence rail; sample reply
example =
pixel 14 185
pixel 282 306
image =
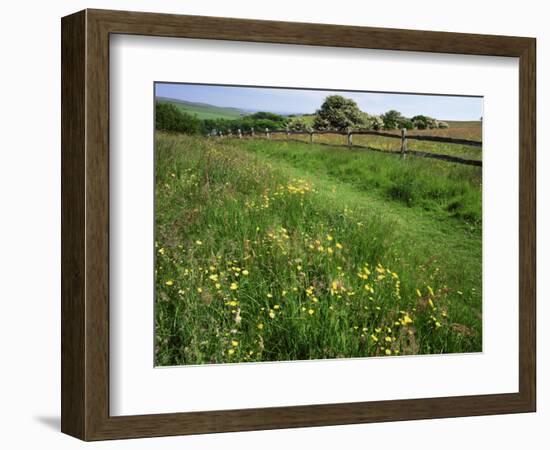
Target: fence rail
pixel 403 137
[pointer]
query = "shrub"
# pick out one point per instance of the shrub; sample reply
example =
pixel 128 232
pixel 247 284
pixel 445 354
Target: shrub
pixel 259 121
pixel 371 122
pixel 267 115
pixel 169 118
pixel 392 119
pixel 298 124
pixel 377 123
pixel 424 122
pixel 442 124
pixel 406 123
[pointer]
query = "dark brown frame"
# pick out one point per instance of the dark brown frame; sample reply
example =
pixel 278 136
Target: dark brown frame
pixel 85 224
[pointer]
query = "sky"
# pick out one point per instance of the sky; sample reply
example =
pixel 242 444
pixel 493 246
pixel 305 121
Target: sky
pixel 296 101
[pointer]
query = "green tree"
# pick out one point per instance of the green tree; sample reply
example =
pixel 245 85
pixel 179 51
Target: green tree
pixel 392 119
pixel 298 124
pixel 406 123
pixel 262 115
pixel 424 122
pixel 168 117
pixel 338 113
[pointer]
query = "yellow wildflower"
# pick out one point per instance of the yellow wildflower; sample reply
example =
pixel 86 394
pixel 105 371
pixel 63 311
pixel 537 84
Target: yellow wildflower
pixel 406 320
pixel 170 283
pixel 235 343
pixel 310 311
pixel 234 286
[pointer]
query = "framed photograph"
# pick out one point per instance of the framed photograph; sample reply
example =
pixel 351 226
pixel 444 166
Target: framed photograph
pixel 272 225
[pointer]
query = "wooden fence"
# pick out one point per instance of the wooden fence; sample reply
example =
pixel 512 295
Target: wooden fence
pixel 403 152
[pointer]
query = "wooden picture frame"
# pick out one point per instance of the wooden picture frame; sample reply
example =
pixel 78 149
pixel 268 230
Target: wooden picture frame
pixel 85 224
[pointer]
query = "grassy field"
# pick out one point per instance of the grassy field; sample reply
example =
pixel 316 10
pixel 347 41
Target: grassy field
pixel 392 144
pixel 272 251
pixel 204 111
pixel 471 130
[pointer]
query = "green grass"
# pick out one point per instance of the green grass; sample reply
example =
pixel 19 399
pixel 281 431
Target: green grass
pixel 204 111
pixel 271 251
pixel 394 144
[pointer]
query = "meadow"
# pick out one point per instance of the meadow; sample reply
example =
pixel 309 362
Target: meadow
pixel 205 111
pixel 470 130
pixel 277 251
pixel 392 144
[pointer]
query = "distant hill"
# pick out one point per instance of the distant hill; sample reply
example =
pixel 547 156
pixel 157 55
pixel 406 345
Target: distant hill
pixel 206 111
pixel 464 123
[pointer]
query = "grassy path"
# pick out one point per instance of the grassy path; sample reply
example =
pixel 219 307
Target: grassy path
pixel 429 236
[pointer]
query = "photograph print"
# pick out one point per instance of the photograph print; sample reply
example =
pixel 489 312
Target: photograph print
pixel 307 224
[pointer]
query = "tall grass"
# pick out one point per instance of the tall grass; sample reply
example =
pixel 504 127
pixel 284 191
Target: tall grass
pixel 269 251
pixel 453 189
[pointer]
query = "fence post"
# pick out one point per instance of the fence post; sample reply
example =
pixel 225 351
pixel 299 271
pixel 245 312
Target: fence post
pixel 403 143
pixel 267 133
pixel 221 134
pixel 287 134
pixel 311 137
pixel 252 131
pixel 240 133
pixel 350 139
